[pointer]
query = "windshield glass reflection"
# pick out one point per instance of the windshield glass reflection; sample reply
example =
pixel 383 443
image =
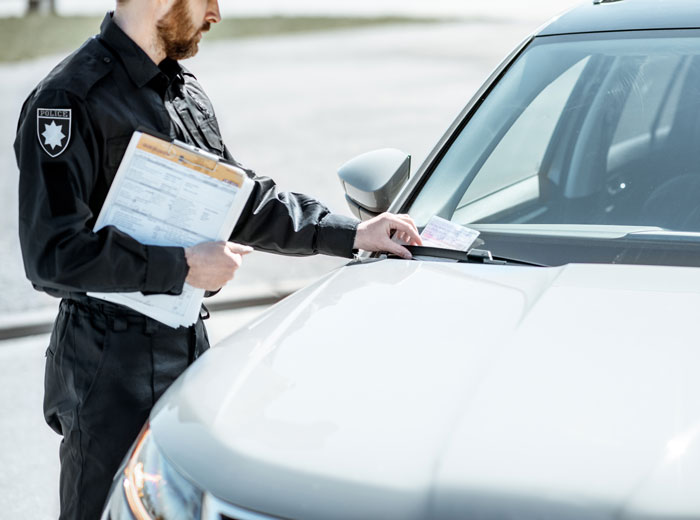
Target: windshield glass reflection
pixel 588 137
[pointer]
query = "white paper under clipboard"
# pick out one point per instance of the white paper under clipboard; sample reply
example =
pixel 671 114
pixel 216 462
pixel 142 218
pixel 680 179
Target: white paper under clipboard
pixel 171 194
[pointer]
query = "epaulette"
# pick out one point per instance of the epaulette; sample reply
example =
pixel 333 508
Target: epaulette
pixel 80 71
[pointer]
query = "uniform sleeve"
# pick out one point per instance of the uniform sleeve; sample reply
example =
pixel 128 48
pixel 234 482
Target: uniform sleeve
pixel 58 155
pixel 292 223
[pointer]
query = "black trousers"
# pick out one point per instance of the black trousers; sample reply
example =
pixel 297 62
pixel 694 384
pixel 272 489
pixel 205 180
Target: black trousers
pixel 106 366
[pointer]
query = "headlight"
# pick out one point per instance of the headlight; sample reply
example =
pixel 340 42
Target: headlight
pixel 153 488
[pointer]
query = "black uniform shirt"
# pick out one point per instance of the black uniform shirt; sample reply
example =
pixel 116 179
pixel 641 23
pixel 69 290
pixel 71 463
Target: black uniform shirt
pixel 72 134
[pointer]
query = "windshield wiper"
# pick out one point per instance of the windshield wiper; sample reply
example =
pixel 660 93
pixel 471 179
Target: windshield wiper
pixel 473 256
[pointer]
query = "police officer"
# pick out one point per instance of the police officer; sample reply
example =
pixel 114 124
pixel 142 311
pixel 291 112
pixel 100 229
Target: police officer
pixel 107 365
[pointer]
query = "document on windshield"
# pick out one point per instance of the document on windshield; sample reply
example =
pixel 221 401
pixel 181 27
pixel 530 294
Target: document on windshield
pixel 447 235
pixel 171 194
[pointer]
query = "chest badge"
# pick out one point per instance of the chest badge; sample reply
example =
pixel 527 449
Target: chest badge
pixel 53 128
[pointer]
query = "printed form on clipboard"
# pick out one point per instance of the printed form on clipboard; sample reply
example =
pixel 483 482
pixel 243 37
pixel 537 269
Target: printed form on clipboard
pixel 171 194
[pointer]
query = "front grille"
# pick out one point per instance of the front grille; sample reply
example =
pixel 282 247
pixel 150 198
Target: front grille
pixel 215 509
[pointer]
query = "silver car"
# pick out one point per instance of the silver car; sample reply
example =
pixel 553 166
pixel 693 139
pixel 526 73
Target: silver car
pixel 551 372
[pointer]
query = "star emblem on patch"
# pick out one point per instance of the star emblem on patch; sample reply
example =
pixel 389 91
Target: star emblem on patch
pixel 53 135
pixel 53 129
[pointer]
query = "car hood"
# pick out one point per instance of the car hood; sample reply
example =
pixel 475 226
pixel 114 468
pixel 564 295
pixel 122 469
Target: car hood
pixel 406 389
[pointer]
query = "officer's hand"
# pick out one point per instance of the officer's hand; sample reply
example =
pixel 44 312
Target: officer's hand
pixel 212 264
pixel 375 234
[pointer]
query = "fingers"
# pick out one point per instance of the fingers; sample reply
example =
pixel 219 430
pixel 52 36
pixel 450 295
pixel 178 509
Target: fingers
pixel 415 239
pixel 236 252
pixel 402 236
pixel 375 234
pixel 213 264
pixel 406 239
pixel 407 218
pixel 407 229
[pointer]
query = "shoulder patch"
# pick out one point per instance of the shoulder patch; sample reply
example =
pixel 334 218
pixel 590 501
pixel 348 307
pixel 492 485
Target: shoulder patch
pixel 53 128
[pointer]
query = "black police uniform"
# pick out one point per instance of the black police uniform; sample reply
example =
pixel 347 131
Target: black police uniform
pixel 107 365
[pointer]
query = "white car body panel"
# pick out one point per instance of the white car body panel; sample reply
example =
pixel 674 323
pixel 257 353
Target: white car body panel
pixel 409 390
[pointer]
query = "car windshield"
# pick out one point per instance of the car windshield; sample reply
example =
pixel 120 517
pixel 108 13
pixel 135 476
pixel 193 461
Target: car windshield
pixel 587 150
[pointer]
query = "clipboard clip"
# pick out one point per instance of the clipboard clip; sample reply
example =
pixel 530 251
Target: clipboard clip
pixel 205 160
pixel 209 160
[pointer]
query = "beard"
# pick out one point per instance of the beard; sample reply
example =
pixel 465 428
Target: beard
pixel 178 34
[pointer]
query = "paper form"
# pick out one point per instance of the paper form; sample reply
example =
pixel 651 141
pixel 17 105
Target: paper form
pixel 167 194
pixel 443 233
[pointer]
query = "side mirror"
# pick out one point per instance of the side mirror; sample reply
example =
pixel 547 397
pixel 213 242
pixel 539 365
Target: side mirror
pixel 372 180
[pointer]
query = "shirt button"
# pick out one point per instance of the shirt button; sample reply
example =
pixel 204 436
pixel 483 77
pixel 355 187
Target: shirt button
pixel 107 59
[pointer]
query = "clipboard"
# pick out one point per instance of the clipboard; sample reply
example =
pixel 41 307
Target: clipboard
pixel 168 193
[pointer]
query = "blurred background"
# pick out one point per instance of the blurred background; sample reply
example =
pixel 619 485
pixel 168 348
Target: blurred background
pixel 532 9
pixel 300 87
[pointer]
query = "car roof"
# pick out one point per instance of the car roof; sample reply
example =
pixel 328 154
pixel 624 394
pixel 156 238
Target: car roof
pixel 626 15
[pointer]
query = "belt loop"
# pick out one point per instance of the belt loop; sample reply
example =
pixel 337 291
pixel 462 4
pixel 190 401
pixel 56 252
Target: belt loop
pixel 119 324
pixel 151 326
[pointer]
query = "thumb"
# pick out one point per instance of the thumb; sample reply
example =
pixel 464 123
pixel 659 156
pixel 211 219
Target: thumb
pixel 238 249
pixel 392 247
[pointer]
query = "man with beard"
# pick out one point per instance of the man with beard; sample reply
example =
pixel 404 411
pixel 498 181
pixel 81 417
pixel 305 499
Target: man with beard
pixel 107 365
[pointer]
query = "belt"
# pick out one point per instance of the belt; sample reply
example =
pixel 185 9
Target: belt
pixel 120 317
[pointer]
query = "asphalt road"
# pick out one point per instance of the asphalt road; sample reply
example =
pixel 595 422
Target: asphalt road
pixel 293 107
